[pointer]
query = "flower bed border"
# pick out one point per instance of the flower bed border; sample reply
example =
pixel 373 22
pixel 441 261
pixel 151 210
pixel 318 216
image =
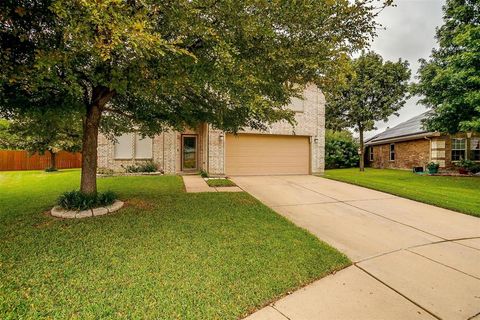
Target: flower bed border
pixel 71 214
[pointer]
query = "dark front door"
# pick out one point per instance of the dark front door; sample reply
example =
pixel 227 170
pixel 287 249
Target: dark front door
pixel 189 152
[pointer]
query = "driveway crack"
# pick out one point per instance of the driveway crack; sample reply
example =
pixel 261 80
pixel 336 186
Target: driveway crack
pixel 376 214
pixel 440 263
pixel 398 292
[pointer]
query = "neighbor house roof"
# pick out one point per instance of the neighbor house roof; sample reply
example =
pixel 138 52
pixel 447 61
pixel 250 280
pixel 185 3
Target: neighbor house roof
pixel 410 129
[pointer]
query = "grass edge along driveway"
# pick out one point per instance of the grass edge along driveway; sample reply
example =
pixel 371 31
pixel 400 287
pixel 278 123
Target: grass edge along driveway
pixel 460 194
pixel 167 254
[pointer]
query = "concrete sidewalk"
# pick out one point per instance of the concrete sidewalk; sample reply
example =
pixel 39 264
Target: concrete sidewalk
pixel 411 260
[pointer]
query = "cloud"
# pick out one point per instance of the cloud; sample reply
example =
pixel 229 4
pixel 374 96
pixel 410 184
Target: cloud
pixel 409 34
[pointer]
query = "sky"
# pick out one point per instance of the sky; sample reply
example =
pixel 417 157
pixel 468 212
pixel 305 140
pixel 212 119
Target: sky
pixel 409 33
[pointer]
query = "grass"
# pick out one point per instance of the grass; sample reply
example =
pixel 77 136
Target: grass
pixel 455 193
pixel 220 183
pixel 166 255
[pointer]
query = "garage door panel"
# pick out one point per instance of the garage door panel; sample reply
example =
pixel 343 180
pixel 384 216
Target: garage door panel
pixel 248 154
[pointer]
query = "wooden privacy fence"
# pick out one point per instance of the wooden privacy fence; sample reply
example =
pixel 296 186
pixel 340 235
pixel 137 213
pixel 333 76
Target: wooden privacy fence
pixel 22 160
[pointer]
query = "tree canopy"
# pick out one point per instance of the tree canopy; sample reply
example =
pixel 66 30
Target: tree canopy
pixel 8 140
pixel 449 81
pixel 374 90
pixel 156 65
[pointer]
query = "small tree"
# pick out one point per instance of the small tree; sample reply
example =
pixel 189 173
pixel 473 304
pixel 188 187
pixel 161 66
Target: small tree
pixel 373 91
pixel 155 65
pixel 49 131
pixel 449 80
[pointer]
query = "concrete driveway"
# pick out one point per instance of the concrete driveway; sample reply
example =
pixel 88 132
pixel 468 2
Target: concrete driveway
pixel 411 260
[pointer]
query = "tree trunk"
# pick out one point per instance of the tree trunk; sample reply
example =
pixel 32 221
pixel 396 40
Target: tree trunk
pixel 362 157
pixel 53 160
pixel 100 96
pixel 88 183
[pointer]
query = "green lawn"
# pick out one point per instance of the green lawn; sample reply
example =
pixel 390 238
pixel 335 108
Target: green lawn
pixel 461 194
pixel 167 255
pixel 220 183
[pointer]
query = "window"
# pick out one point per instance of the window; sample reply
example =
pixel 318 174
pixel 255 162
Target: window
pixel 124 147
pixel 392 152
pixel 475 148
pixel 143 147
pixel 371 153
pixel 133 146
pixel 458 149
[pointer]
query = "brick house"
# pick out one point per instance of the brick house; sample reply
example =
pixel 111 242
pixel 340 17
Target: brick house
pixel 408 145
pixel 282 149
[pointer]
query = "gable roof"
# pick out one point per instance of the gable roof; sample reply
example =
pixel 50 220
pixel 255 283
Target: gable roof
pixel 404 130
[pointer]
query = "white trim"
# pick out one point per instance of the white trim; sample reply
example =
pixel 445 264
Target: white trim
pixel 465 153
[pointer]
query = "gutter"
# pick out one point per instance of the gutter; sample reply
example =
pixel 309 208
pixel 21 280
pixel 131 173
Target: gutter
pixel 404 138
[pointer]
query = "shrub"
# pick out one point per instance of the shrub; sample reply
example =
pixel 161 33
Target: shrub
pixel 433 167
pixel 341 150
pixel 203 174
pixel 468 165
pixel 149 166
pixel 77 200
pixel 475 169
pixel 51 169
pixel 104 171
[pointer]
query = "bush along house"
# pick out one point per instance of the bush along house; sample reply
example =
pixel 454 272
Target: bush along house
pixel 282 149
pixel 408 145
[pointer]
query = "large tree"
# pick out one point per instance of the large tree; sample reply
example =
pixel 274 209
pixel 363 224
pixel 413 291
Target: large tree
pixel 40 132
pixel 153 65
pixel 450 79
pixel 374 90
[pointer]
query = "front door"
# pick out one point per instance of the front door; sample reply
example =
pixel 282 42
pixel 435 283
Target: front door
pixel 189 152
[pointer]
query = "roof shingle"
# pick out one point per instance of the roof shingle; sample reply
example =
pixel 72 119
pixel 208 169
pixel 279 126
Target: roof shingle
pixel 410 127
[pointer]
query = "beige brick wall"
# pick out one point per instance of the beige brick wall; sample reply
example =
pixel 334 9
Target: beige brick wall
pixel 211 142
pixel 216 152
pixel 310 122
pixel 164 158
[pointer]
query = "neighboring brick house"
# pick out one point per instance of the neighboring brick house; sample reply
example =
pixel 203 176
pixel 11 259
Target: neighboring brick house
pixel 408 145
pixel 282 149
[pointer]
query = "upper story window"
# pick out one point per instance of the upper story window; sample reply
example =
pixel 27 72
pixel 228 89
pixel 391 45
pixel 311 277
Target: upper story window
pixel 133 146
pixel 458 149
pixel 392 152
pixel 370 155
pixel 475 149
